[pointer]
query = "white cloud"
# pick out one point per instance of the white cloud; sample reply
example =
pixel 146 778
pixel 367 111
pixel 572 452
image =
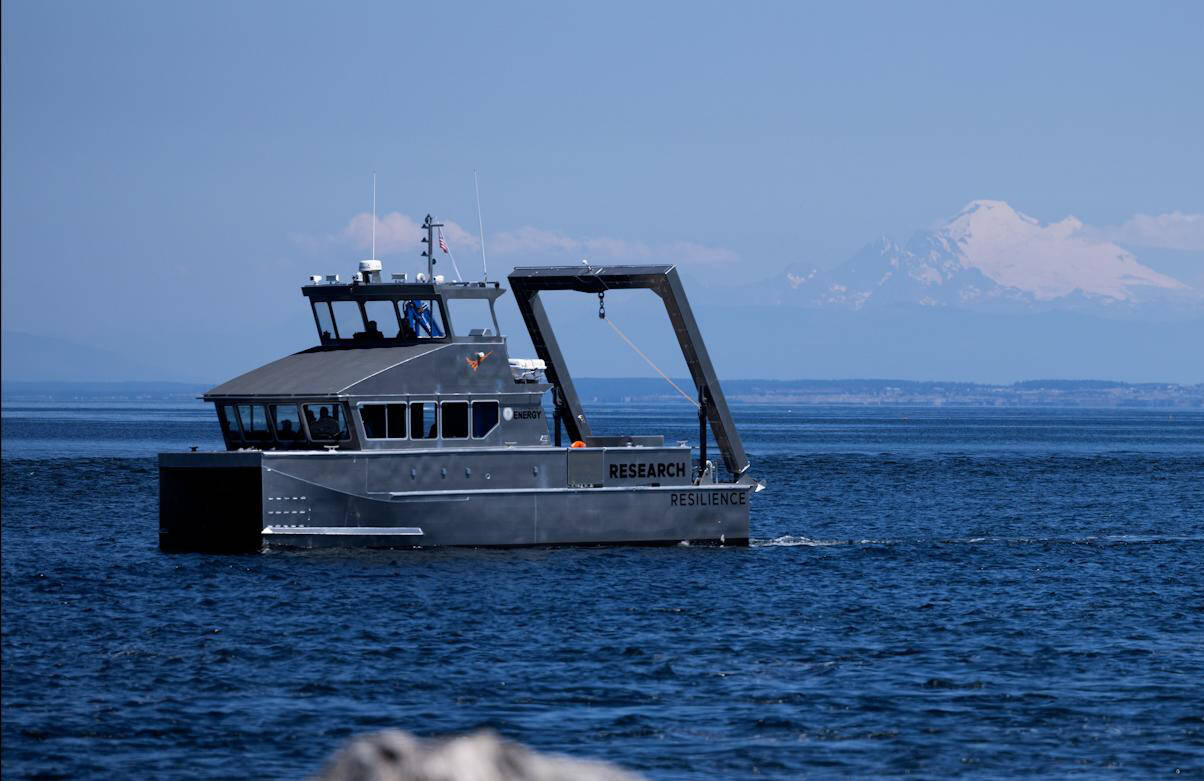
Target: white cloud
pixel 619 249
pixel 530 239
pixel 1176 230
pixel 397 232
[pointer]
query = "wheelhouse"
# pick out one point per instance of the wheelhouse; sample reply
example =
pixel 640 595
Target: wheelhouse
pixel 399 365
pixel 395 313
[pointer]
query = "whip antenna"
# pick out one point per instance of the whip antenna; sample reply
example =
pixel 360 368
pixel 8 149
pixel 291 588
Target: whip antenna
pixel 480 224
pixel 374 215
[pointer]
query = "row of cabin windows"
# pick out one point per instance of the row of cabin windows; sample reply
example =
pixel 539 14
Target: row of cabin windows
pixel 328 423
pixel 417 420
pixel 282 422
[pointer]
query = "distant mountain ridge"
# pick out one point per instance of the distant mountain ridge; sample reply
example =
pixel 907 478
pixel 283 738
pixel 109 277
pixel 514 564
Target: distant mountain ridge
pixel 47 358
pixel 990 257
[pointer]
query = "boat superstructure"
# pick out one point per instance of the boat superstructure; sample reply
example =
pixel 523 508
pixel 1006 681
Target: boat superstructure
pixel 409 425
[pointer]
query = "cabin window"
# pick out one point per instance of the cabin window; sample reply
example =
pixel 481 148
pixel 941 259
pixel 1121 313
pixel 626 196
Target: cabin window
pixel 287 422
pixel 326 421
pixel 421 319
pixel 325 321
pixel 373 418
pixel 484 418
pixel 384 421
pixel 384 315
pixel 470 314
pixel 455 419
pixel 347 319
pixel 229 419
pixel 422 420
pixel 254 422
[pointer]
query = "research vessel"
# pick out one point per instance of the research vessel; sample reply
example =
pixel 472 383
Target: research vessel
pixel 409 425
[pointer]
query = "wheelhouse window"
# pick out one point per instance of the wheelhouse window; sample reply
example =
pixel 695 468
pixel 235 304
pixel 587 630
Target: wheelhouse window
pixel 254 422
pixel 229 419
pixel 471 314
pixel 421 319
pixel 384 421
pixel 325 319
pixel 484 418
pixel 455 419
pixel 348 320
pixel 326 421
pixel 287 422
pixel 382 320
pixel 422 420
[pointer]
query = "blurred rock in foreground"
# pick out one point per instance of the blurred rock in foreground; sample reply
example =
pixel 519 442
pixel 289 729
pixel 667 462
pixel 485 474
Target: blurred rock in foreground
pixel 482 756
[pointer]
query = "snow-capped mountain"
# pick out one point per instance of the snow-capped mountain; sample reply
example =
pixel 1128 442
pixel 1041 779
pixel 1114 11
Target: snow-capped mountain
pixel 989 257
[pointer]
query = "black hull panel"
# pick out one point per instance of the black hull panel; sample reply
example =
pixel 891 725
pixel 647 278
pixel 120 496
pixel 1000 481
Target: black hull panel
pixel 213 509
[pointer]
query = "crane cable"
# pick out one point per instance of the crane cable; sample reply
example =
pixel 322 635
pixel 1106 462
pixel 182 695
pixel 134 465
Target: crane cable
pixel 648 361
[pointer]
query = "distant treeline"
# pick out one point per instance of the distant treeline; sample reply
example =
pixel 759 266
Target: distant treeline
pixel 100 391
pixel 855 391
pixel 653 386
pixel 1084 393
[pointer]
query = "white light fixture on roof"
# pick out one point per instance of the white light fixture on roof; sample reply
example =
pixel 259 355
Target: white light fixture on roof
pixel 420 277
pixel 332 278
pixel 315 278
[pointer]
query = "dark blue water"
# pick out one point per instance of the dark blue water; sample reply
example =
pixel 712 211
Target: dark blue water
pixel 930 592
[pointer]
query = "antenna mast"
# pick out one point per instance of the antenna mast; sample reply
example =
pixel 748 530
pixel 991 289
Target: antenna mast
pixel 374 215
pixel 429 240
pixel 481 224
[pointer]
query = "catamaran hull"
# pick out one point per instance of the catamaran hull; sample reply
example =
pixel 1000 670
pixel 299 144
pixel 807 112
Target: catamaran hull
pixel 241 502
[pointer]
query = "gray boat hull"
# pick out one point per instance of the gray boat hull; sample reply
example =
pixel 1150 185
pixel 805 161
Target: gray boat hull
pixel 515 498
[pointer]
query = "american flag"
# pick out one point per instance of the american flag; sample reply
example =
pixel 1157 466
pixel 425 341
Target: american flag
pixel 443 244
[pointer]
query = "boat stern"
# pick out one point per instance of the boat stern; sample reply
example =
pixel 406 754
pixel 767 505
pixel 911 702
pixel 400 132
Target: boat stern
pixel 211 502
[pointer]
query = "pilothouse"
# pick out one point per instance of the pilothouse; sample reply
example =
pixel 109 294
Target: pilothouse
pixel 408 424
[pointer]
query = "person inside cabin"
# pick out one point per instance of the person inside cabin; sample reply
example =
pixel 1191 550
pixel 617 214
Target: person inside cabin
pixel 369 334
pixel 286 429
pixel 406 331
pixel 326 426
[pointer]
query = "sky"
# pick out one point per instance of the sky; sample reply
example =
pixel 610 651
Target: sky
pixel 172 172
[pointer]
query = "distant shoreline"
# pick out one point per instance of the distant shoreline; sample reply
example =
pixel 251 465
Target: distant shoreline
pixel 851 392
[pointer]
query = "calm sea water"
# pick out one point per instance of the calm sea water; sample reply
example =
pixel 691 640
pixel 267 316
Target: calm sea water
pixel 930 592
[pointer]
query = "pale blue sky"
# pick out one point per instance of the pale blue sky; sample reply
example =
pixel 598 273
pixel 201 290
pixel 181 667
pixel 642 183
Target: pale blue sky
pixel 174 170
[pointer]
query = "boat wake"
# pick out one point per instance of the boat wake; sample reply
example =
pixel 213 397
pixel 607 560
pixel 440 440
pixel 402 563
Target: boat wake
pixel 795 541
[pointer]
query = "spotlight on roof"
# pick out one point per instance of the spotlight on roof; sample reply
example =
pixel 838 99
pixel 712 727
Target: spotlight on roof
pixel 315 278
